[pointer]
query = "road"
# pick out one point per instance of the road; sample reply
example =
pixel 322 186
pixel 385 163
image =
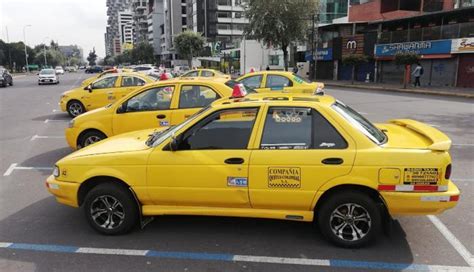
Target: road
pixel 38 234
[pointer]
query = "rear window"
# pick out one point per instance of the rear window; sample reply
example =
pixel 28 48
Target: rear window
pixel 231 83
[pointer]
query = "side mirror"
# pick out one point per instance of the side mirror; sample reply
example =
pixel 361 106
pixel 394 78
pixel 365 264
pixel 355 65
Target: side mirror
pixel 174 143
pixel 88 88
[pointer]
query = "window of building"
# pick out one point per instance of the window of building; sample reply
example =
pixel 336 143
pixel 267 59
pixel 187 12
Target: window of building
pixel 237 15
pixel 223 26
pixel 183 21
pixel 273 60
pixel 183 9
pixel 224 2
pixel 224 14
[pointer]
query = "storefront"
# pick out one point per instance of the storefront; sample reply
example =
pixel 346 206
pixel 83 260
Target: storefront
pixel 464 49
pixel 324 64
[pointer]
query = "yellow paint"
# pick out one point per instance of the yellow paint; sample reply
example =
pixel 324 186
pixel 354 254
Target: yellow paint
pixel 100 75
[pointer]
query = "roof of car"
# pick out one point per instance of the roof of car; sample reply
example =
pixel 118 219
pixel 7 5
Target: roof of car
pixel 194 79
pixel 269 72
pixel 277 98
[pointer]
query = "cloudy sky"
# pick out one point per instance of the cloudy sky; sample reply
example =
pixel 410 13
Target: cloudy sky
pixel 80 22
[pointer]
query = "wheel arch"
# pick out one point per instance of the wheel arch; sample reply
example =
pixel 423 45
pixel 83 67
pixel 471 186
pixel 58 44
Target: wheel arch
pixel 92 182
pixel 87 130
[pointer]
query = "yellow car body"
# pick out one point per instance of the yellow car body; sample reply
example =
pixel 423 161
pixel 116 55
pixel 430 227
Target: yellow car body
pixel 211 73
pixel 101 92
pixel 104 73
pixel 279 156
pixel 279 81
pixel 171 108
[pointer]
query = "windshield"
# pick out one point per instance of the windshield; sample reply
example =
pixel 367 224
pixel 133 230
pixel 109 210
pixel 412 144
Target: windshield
pixel 362 124
pixel 47 72
pixel 159 136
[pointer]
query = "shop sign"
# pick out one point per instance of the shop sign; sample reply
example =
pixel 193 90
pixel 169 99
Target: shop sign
pixel 419 47
pixel 353 45
pixel 463 45
pixel 323 54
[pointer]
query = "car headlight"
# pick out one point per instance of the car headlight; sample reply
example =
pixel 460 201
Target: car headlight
pixel 56 171
pixel 71 123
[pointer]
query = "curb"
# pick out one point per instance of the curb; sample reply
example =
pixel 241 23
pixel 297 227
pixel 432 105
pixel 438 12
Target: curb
pixel 412 91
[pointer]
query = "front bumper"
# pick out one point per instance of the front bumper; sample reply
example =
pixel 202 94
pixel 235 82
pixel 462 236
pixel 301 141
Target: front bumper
pixel 421 203
pixel 71 137
pixel 47 80
pixel 65 192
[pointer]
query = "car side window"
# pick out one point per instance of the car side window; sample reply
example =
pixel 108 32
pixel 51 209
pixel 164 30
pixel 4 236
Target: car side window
pixel 225 129
pixel 195 96
pixel 108 82
pixel 151 100
pixel 191 74
pixel 252 81
pixel 276 82
pixel 207 74
pixel 131 81
pixel 299 128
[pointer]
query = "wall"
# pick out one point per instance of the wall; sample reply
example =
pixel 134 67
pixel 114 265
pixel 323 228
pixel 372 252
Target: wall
pixel 365 12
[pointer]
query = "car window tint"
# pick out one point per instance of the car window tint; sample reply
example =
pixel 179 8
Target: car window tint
pixel 299 128
pixel 253 81
pixel 128 81
pixel 225 129
pixel 195 96
pixel 276 82
pixel 191 74
pixel 151 100
pixel 207 74
pixel 107 82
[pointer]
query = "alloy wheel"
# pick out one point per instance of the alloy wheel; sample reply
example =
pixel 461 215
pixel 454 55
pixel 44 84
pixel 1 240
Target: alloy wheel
pixel 107 212
pixel 350 222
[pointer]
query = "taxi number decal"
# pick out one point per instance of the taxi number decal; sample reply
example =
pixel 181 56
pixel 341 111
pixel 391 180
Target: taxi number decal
pixel 421 175
pixel 284 177
pixel 164 123
pixel 237 182
pixel 289 116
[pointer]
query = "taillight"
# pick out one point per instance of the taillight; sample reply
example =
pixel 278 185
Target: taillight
pixel 447 174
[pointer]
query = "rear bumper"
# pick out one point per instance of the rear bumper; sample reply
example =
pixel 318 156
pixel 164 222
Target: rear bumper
pixel 65 192
pixel 421 203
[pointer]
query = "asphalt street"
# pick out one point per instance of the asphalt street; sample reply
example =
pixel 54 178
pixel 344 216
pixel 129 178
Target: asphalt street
pixel 38 234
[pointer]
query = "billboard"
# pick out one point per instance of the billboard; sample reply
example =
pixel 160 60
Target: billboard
pixel 418 47
pixel 463 45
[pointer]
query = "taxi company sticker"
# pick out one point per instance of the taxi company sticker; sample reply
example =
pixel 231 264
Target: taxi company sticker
pixel 237 182
pixel 421 175
pixel 164 123
pixel 284 177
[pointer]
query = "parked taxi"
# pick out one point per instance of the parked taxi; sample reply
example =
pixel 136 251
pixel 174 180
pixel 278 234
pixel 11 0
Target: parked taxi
pixel 163 103
pixel 280 156
pixel 279 81
pixel 101 92
pixel 104 73
pixel 206 73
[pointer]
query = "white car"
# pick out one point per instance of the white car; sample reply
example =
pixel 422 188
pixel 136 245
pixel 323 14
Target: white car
pixel 147 70
pixel 48 76
pixel 59 70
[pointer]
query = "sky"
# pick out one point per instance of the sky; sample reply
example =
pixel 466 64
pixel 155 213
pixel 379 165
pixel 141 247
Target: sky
pixel 80 22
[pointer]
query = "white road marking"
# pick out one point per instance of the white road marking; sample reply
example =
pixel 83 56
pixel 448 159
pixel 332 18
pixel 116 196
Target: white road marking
pixel 433 125
pixel 112 251
pixel 3 245
pixel 14 166
pixel 463 144
pixel 279 260
pixel 10 169
pixel 56 110
pixel 45 137
pixel 460 248
pixel 55 120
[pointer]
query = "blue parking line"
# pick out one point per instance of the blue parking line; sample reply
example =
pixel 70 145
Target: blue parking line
pixel 190 255
pixel 378 265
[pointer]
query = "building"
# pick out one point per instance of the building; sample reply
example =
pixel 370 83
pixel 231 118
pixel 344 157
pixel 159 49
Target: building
pixel 155 19
pixel 119 31
pixel 329 10
pixel 140 20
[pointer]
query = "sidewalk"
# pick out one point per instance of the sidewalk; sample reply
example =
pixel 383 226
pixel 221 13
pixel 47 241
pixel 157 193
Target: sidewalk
pixel 446 91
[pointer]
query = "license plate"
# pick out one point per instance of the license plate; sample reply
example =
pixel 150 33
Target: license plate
pixel 421 176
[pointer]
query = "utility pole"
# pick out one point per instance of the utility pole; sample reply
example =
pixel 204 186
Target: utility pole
pixel 313 57
pixel 9 50
pixel 44 52
pixel 26 53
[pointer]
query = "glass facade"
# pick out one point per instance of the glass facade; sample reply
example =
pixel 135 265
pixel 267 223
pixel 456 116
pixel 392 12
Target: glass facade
pixel 332 9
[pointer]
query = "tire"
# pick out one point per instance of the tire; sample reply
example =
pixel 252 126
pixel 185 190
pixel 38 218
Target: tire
pixel 91 137
pixel 75 108
pixel 368 226
pixel 11 83
pixel 103 217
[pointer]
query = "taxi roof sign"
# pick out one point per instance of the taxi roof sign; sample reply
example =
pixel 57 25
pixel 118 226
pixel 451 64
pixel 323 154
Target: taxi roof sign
pixel 239 91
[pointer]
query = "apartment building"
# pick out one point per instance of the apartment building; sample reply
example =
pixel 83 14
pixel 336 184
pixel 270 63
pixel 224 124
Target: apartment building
pixel 155 20
pixel 140 20
pixel 119 30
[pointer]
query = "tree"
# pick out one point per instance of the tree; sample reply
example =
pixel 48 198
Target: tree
pixel 406 59
pixel 279 22
pixel 189 44
pixel 92 57
pixel 354 60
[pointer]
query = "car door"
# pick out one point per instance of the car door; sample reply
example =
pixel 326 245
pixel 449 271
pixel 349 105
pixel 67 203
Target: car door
pixel 102 93
pixel 150 108
pixel 277 83
pixel 254 82
pixel 209 168
pixel 129 84
pixel 297 151
pixel 192 98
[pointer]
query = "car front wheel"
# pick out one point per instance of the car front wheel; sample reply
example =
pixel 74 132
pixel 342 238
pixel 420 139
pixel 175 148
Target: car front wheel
pixel 349 219
pixel 110 209
pixel 75 108
pixel 91 137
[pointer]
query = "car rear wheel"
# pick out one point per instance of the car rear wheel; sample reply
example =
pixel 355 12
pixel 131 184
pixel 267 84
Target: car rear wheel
pixel 349 219
pixel 75 108
pixel 91 137
pixel 110 209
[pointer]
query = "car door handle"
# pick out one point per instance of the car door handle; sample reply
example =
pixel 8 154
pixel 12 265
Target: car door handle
pixel 234 161
pixel 161 116
pixel 332 161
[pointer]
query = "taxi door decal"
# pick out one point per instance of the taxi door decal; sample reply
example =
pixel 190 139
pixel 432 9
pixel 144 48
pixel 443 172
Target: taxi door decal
pixel 284 177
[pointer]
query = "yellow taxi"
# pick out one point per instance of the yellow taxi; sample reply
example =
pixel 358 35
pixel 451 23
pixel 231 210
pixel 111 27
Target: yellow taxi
pixel 163 103
pixel 104 73
pixel 281 156
pixel 206 73
pixel 279 81
pixel 101 92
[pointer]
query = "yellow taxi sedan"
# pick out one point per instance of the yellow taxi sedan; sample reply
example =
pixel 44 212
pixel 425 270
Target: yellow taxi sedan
pixel 101 92
pixel 104 73
pixel 279 81
pixel 206 73
pixel 291 157
pixel 163 103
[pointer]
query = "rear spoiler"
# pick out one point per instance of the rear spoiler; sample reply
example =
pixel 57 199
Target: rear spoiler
pixel 440 141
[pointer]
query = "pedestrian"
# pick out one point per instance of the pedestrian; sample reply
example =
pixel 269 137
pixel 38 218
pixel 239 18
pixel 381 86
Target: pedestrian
pixel 295 70
pixel 417 73
pixel 268 68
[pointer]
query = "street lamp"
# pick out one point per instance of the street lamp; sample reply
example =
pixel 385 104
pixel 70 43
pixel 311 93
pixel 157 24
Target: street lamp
pixel 26 53
pixel 44 51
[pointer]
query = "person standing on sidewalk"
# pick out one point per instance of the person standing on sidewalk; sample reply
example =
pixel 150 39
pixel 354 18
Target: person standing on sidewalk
pixel 417 73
